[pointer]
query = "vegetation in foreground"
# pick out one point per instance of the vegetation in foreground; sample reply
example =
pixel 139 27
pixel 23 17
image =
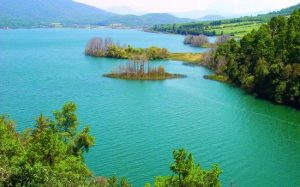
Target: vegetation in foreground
pixel 265 62
pixel 139 68
pixel 52 154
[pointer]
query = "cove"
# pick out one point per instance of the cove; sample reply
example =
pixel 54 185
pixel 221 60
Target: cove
pixel 137 124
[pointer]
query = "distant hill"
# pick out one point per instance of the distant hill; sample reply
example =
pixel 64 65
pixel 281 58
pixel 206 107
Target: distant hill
pixel 211 18
pixel 283 12
pixel 145 20
pixel 36 13
pixel 48 11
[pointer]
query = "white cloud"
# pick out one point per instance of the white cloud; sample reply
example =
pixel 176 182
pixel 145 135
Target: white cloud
pixel 233 6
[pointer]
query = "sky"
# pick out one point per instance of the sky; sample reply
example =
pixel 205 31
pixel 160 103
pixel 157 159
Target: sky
pixel 229 6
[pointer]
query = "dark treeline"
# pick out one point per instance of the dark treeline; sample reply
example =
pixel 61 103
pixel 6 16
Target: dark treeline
pixel 194 28
pixel 52 154
pixel 265 62
pixel 99 47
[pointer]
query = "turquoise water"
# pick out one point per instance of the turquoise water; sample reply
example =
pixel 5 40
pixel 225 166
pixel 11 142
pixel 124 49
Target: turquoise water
pixel 138 123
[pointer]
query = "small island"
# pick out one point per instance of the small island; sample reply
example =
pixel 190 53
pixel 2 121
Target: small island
pixel 139 68
pixel 98 47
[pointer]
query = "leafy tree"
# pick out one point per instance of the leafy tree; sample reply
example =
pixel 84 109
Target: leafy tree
pixel 188 174
pixel 115 182
pixel 51 154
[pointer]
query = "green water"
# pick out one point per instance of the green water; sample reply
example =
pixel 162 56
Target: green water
pixel 138 123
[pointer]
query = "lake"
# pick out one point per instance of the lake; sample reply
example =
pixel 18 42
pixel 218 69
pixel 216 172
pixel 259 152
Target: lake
pixel 137 124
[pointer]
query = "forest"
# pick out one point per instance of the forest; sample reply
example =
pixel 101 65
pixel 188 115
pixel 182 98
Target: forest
pixel 265 62
pixel 52 154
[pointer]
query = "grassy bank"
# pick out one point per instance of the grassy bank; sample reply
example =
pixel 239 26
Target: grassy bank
pixel 189 58
pixel 219 78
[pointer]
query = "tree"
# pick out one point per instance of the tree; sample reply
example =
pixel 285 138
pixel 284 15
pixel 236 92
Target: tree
pixel 95 47
pixel 293 37
pixel 188 174
pixel 114 182
pixel 183 165
pixel 51 154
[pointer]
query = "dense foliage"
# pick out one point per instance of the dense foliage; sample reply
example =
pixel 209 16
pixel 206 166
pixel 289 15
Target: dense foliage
pixel 265 62
pixel 99 47
pixel 51 154
pixel 188 174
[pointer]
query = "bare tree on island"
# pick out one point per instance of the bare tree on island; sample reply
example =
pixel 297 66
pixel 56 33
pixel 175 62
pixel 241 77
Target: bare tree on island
pixel 98 46
pixel 223 38
pixel 196 41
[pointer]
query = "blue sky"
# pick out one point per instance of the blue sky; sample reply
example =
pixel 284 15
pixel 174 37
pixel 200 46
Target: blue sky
pixel 229 6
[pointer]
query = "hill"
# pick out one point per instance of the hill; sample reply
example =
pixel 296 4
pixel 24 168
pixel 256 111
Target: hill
pixel 284 11
pixel 211 18
pixel 42 12
pixel 144 20
pixel 236 26
pixel 39 13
